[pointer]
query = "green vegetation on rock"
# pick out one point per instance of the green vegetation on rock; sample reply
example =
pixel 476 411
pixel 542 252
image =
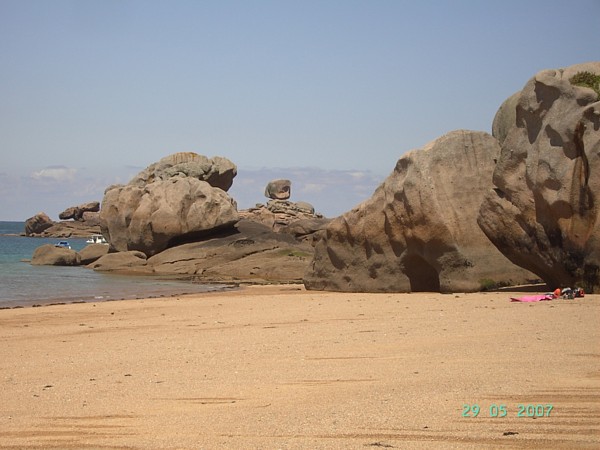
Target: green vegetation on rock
pixel 587 79
pixel 487 284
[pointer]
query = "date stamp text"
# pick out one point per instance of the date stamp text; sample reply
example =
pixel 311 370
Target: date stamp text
pixel 501 410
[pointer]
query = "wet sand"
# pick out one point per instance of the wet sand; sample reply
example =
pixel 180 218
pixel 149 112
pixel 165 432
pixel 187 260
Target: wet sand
pixel 280 367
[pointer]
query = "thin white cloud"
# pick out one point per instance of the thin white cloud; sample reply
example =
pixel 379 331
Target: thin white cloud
pixel 312 188
pixel 358 175
pixel 55 173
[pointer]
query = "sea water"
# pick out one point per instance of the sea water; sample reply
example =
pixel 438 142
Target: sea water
pixel 22 284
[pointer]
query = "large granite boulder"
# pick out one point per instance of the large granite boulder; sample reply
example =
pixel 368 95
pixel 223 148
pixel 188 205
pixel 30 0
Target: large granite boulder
pixel 418 232
pixel 92 252
pixel 278 189
pixel 38 224
pixel 50 255
pixel 170 201
pixel 77 212
pixel 217 171
pixel 542 212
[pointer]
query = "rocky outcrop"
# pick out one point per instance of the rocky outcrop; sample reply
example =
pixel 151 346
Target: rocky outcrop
pixel 50 255
pixel 37 224
pixel 542 212
pixel 280 215
pixel 71 229
pixel 182 197
pixel 91 219
pixel 92 252
pixel 217 171
pixel 77 212
pixel 505 118
pixel 248 253
pixel 251 252
pixel 278 189
pixel 85 223
pixel 306 229
pixel 130 262
pixel 418 232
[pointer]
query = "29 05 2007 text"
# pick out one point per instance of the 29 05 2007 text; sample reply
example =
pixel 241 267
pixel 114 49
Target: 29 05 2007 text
pixel 501 410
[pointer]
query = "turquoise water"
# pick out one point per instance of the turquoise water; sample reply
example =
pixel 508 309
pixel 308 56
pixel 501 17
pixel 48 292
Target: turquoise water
pixel 22 284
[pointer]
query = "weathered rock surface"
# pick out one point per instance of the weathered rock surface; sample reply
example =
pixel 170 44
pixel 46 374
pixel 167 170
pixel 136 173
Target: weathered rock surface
pixel 92 252
pixel 419 231
pixel 86 221
pixel 251 252
pixel 71 229
pixel 217 171
pixel 279 214
pixel 129 262
pixel 91 219
pixel 505 118
pixel 50 255
pixel 76 212
pixel 543 211
pixel 278 189
pixel 305 229
pixel 170 201
pixel 37 224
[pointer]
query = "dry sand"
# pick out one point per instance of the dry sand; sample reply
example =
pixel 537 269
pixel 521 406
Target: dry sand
pixel 280 367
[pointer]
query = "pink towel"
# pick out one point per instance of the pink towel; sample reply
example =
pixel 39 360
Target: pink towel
pixel 532 298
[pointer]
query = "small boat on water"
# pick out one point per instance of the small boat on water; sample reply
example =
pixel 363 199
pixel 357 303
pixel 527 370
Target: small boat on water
pixel 63 244
pixel 96 239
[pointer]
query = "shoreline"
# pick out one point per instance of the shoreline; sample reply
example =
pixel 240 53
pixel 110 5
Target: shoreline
pixel 149 293
pixel 280 367
pixel 218 286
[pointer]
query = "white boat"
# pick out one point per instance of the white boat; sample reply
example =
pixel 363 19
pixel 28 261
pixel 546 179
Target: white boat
pixel 96 239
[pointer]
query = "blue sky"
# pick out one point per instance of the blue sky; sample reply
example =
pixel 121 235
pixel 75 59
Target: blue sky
pixel 326 93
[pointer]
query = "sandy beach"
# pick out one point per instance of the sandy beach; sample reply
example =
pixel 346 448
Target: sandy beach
pixel 280 367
